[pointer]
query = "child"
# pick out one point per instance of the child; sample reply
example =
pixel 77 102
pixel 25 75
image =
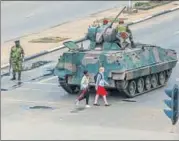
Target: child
pixel 84 89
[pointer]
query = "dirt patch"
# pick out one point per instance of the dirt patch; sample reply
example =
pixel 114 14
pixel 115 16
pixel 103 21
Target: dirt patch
pixel 49 40
pixel 35 65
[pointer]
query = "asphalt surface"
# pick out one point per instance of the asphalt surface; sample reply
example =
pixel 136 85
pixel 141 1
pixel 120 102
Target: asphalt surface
pixel 140 118
pixel 20 18
pixel 162 31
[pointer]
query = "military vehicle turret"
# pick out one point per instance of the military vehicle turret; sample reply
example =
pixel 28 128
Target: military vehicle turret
pixel 132 70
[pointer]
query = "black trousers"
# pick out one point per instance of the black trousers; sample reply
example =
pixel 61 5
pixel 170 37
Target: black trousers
pixel 84 94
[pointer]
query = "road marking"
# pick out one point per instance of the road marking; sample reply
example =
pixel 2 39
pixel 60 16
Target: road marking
pixel 46 102
pixel 54 84
pixel 32 89
pixel 177 79
pixel 30 15
pixel 44 80
pixel 40 83
pixel 177 32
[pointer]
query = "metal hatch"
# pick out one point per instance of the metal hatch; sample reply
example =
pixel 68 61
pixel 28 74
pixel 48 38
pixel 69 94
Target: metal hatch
pixel 71 45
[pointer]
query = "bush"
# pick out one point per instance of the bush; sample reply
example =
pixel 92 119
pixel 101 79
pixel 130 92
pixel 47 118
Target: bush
pixel 138 4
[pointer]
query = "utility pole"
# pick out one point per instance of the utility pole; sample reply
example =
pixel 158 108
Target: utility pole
pixel 129 9
pixel 130 4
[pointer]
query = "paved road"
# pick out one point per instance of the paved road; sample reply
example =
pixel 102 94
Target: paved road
pixel 162 31
pixel 141 119
pixel 24 17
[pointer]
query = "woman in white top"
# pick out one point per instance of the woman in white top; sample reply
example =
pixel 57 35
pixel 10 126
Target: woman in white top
pixel 84 89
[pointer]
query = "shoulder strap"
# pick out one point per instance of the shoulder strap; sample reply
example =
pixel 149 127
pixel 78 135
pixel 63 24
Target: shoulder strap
pixel 100 75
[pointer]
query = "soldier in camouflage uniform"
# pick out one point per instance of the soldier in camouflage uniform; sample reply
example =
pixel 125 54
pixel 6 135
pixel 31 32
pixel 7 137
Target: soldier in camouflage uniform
pixel 121 28
pixel 16 59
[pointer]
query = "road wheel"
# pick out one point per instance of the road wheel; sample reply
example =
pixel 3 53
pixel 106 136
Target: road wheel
pixel 148 83
pixel 132 88
pixel 168 74
pixel 140 85
pixel 162 78
pixel 154 80
pixel 71 89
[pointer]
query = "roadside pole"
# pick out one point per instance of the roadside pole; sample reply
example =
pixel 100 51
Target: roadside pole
pixel 130 4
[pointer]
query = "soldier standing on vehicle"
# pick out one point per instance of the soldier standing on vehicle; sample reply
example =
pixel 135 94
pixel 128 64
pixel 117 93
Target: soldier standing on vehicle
pixel 16 59
pixel 124 29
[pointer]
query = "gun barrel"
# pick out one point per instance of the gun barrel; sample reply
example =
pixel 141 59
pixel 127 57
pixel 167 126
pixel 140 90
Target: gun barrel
pixel 100 37
pixel 117 16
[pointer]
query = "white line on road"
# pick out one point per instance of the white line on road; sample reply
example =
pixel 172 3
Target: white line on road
pixel 40 83
pixel 32 89
pixel 51 78
pixel 29 101
pixel 177 32
pixel 177 79
pixel 30 15
pixel 54 84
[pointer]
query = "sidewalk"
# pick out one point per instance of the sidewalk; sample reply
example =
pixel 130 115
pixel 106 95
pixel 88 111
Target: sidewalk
pixel 73 30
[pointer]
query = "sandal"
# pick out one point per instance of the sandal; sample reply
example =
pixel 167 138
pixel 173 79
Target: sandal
pixel 107 104
pixel 96 104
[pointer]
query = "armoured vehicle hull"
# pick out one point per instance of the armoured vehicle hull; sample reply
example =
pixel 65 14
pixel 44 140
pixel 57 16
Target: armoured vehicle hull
pixel 132 71
pixel 130 68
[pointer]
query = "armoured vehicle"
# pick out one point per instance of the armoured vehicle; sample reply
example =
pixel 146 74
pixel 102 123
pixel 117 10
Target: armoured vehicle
pixel 131 70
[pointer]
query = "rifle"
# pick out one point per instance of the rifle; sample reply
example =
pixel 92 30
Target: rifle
pixel 110 24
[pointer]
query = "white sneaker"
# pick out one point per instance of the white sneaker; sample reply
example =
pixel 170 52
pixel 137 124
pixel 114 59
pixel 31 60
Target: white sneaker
pixel 87 106
pixel 77 102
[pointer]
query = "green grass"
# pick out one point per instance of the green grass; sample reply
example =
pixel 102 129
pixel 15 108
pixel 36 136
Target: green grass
pixel 149 5
pixel 48 40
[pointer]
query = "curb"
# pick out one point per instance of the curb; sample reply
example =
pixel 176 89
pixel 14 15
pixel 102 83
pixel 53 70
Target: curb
pixel 44 52
pixel 154 15
pixel 82 39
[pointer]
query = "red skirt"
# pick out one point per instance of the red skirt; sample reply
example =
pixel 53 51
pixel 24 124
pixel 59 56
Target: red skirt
pixel 101 91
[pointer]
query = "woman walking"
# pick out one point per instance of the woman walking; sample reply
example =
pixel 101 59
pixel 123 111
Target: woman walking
pixel 100 90
pixel 84 89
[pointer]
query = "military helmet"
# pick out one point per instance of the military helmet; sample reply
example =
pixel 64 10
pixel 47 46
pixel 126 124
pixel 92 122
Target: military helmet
pixel 105 21
pixel 121 21
pixel 17 41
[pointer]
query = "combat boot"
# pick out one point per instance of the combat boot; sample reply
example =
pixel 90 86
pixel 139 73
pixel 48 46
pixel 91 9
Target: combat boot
pixel 19 76
pixel 14 76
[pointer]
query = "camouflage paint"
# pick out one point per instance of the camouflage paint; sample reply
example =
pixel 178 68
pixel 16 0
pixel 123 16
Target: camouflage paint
pixel 120 64
pixel 131 63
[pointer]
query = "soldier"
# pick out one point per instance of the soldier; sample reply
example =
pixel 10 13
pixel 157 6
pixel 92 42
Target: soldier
pixel 121 28
pixel 16 59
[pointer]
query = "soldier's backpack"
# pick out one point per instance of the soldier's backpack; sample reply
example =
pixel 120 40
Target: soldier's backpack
pixel 95 77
